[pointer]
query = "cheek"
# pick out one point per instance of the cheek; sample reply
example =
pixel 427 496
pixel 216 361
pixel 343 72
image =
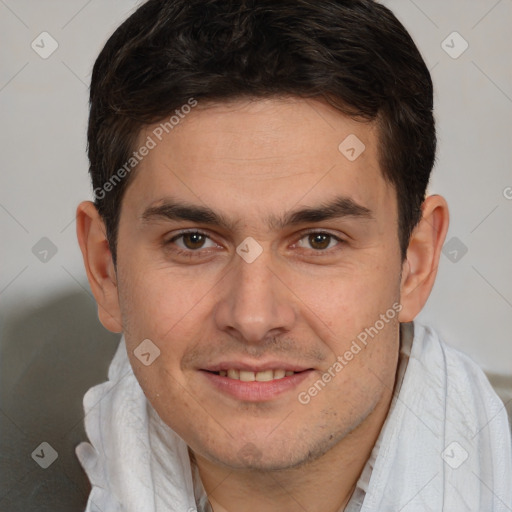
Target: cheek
pixel 348 300
pixel 156 302
pixel 157 307
pixel 170 308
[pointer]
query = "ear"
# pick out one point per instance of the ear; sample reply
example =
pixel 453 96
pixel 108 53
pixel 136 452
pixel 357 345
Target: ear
pixel 419 269
pixel 101 273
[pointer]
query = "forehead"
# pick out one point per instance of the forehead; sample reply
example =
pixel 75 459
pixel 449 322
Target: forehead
pixel 260 155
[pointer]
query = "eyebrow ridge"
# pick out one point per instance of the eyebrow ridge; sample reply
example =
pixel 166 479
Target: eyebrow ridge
pixel 338 208
pixel 182 211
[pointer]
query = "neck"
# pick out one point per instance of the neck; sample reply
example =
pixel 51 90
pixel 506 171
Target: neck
pixel 322 485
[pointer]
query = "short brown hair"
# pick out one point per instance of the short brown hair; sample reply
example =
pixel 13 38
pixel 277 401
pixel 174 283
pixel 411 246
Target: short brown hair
pixel 354 54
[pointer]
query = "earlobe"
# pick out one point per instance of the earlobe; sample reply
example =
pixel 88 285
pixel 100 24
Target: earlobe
pixel 91 234
pixel 420 268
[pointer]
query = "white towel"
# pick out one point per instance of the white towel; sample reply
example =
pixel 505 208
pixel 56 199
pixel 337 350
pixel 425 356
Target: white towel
pixel 445 445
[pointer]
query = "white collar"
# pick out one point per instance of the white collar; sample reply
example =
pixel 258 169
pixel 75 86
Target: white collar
pixel 136 463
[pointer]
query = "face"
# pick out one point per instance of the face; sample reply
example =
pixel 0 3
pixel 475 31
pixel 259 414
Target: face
pixel 250 247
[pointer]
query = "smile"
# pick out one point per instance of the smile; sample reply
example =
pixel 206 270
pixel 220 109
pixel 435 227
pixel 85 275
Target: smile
pixel 251 386
pixel 261 376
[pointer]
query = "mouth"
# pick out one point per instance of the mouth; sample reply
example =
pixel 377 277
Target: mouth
pixel 255 386
pixel 251 376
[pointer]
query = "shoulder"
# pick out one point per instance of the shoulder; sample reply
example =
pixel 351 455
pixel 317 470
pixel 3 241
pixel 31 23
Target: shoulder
pixel 460 380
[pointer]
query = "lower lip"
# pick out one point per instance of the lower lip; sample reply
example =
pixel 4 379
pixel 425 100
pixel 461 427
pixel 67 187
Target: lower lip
pixel 256 391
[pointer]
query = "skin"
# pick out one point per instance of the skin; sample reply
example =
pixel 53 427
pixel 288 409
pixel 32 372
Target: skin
pixel 299 300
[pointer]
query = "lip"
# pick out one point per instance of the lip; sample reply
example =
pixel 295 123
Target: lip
pixel 255 391
pixel 256 366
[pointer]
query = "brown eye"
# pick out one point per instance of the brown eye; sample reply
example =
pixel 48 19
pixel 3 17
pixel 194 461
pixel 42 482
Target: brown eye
pixel 319 241
pixel 193 240
pixel 191 244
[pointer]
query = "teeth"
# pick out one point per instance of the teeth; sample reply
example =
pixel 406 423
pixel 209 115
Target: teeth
pixel 263 376
pixel 247 376
pixel 234 374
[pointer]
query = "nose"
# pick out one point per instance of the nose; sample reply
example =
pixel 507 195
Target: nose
pixel 254 303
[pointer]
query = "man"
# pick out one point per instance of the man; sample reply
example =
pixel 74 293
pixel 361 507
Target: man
pixel 261 237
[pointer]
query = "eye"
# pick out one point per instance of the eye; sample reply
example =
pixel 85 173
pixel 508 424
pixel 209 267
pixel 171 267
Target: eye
pixel 319 241
pixel 192 241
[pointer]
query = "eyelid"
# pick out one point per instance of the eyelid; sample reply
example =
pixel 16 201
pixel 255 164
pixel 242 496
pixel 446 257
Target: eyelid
pixel 302 234
pixel 313 231
pixel 319 231
pixel 186 232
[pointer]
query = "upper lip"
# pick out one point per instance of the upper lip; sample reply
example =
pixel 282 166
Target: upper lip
pixel 256 367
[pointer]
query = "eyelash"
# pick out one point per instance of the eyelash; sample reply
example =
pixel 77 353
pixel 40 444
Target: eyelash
pixel 193 253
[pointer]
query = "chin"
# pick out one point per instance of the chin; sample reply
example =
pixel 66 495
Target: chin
pixel 265 456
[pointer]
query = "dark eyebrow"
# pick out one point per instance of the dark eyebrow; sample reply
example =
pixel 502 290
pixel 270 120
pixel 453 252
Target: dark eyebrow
pixel 338 208
pixel 182 211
